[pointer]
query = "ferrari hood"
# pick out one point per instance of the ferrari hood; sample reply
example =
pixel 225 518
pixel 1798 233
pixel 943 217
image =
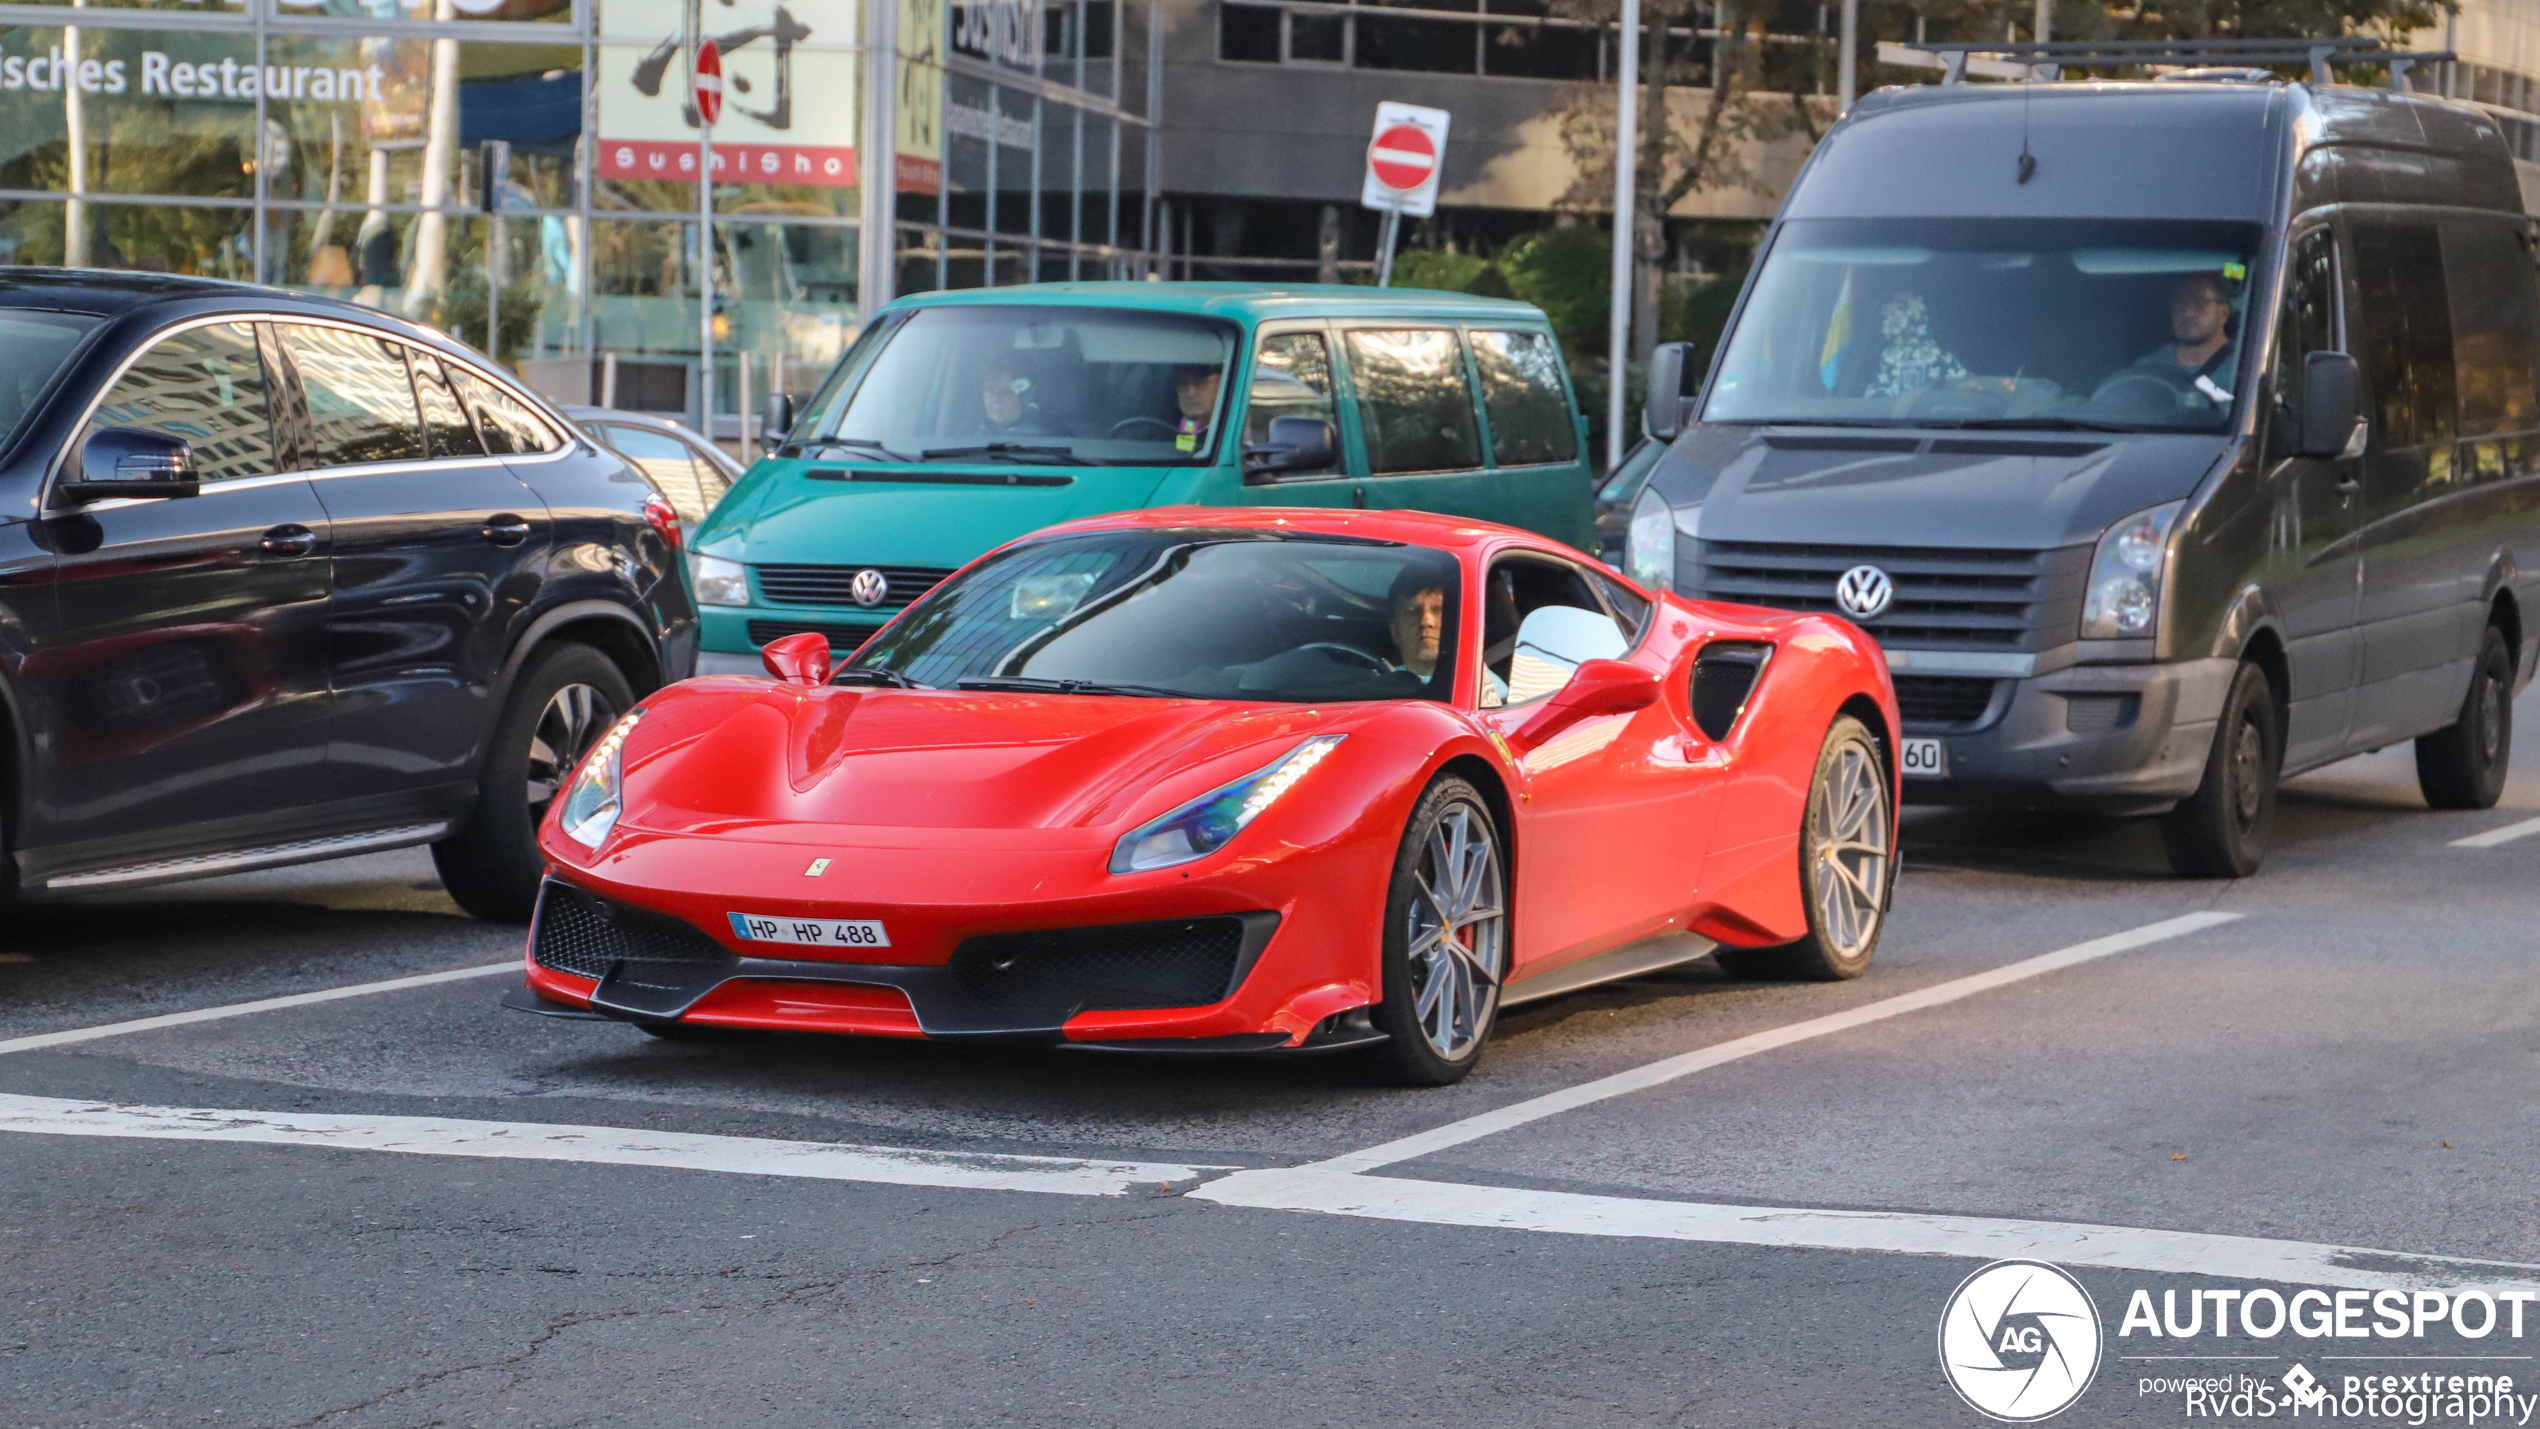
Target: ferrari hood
pixel 723 756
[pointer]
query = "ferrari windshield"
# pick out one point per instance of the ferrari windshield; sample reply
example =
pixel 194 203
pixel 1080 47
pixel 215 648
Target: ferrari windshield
pixel 1222 615
pixel 1995 322
pixel 1069 386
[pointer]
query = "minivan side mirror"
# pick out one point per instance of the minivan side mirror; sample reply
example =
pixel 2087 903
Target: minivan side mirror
pixel 2332 403
pixel 798 659
pixel 776 416
pixel 124 461
pixel 1296 444
pixel 1662 414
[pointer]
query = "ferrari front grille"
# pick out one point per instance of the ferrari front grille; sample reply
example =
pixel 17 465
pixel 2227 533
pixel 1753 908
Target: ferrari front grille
pixel 1177 962
pixel 584 935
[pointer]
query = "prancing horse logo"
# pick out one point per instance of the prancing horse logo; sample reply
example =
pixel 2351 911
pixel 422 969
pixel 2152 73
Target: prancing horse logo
pixel 1862 591
pixel 870 587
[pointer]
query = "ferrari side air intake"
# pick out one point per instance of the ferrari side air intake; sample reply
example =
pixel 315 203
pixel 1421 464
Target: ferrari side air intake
pixel 1724 675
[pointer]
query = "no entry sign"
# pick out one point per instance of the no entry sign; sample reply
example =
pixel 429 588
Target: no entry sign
pixel 1403 159
pixel 709 82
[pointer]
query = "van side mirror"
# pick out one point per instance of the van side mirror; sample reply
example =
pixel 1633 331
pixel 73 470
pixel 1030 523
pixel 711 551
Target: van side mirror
pixel 2332 403
pixel 799 659
pixel 1296 444
pixel 124 461
pixel 1662 414
pixel 776 416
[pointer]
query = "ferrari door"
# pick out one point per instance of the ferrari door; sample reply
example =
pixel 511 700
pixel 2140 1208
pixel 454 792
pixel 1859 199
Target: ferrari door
pixel 1613 815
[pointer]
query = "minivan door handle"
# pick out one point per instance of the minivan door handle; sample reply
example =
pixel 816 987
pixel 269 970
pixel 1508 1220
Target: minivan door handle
pixel 290 540
pixel 506 529
pixel 2349 483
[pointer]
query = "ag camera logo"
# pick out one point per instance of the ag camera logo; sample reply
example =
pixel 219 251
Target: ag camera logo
pixel 2019 1341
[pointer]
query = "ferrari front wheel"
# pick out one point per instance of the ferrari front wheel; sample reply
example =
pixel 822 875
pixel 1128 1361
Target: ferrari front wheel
pixel 1446 937
pixel 1847 862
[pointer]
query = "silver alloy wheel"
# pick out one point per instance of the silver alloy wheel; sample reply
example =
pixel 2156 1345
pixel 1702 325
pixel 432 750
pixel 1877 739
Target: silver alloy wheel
pixel 574 719
pixel 1457 948
pixel 1849 875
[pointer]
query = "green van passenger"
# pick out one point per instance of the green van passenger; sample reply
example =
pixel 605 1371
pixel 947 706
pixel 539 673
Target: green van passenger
pixel 958 421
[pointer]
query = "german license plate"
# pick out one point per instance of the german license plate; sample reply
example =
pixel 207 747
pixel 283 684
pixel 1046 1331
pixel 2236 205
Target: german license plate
pixel 810 932
pixel 1924 759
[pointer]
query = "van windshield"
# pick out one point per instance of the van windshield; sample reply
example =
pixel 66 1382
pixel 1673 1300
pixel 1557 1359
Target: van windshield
pixel 2101 323
pixel 1070 386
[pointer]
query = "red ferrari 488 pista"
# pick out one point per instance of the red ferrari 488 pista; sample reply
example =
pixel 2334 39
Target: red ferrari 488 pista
pixel 1196 780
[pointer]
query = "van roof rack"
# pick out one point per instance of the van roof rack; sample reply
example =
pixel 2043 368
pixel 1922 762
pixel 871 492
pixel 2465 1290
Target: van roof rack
pixel 1957 59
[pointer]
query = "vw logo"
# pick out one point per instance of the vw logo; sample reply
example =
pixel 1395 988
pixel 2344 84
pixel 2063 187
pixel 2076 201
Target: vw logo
pixel 870 588
pixel 1862 591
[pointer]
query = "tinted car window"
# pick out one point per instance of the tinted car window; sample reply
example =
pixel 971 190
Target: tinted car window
pixel 445 424
pixel 687 480
pixel 1521 391
pixel 2309 323
pixel 33 347
pixel 2407 333
pixel 1292 378
pixel 2492 318
pixel 361 402
pixel 1515 589
pixel 207 386
pixel 1238 615
pixel 505 424
pixel 1413 404
pixel 644 444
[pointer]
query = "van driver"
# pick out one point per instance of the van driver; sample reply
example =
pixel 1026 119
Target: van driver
pixel 2200 329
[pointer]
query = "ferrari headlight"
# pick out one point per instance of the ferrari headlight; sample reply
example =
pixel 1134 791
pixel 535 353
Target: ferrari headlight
pixel 2125 577
pixel 1649 548
pixel 1202 826
pixel 718 581
pixel 591 801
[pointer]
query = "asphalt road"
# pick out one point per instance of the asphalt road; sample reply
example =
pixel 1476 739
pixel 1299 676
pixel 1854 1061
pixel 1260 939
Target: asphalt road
pixel 2344 1066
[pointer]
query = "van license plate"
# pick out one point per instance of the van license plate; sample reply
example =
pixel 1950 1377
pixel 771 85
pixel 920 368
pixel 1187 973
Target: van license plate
pixel 1924 759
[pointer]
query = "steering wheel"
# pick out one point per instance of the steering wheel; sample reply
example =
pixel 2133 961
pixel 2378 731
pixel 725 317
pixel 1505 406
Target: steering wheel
pixel 1123 427
pixel 1351 654
pixel 2144 389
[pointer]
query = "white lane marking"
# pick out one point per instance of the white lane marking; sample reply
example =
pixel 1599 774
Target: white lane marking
pixel 1388 1198
pixel 604 1145
pixel 240 1009
pixel 2505 835
pixel 1702 1058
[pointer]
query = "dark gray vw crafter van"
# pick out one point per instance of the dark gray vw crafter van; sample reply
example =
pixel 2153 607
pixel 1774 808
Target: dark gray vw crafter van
pixel 2171 437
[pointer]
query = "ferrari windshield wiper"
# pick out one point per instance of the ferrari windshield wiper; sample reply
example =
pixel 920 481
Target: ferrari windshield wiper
pixel 875 675
pixel 1006 451
pixel 1033 684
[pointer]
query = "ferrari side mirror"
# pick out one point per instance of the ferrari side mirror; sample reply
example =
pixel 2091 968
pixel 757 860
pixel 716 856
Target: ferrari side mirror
pixel 801 659
pixel 1596 687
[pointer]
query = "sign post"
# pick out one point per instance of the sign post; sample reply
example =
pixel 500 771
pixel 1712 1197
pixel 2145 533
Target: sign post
pixel 1403 161
pixel 497 166
pixel 1626 165
pixel 708 80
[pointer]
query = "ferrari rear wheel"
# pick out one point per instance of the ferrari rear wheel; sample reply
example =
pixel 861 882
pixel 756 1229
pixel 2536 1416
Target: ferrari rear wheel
pixel 1847 862
pixel 1446 938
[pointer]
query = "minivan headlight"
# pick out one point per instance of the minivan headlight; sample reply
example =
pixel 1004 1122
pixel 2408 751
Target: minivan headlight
pixel 1202 826
pixel 593 801
pixel 2125 577
pixel 718 581
pixel 1649 547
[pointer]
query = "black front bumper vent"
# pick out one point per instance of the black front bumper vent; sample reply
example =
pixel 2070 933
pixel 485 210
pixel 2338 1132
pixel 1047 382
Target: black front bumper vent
pixel 1940 703
pixel 1024 986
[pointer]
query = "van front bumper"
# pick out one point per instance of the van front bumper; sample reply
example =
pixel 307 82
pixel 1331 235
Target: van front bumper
pixel 2127 738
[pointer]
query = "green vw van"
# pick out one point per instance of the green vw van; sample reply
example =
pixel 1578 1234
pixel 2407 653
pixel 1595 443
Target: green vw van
pixel 960 420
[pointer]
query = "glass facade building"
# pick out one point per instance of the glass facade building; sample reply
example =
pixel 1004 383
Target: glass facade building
pixel 344 147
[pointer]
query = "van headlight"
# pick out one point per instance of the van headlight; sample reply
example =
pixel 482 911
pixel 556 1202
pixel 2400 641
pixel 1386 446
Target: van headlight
pixel 1649 548
pixel 2125 577
pixel 593 801
pixel 718 581
pixel 1202 826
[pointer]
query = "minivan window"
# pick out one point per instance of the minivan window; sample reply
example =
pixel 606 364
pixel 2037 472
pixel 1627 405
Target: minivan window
pixel 2492 322
pixel 2407 333
pixel 205 385
pixel 445 426
pixel 1029 383
pixel 2310 319
pixel 1413 403
pixel 1997 322
pixel 33 348
pixel 360 401
pixel 1521 392
pixel 1292 377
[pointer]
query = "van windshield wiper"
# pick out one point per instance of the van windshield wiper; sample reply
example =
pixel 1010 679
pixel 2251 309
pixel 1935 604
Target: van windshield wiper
pixel 1033 684
pixel 875 675
pixel 1006 451
pixel 855 444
